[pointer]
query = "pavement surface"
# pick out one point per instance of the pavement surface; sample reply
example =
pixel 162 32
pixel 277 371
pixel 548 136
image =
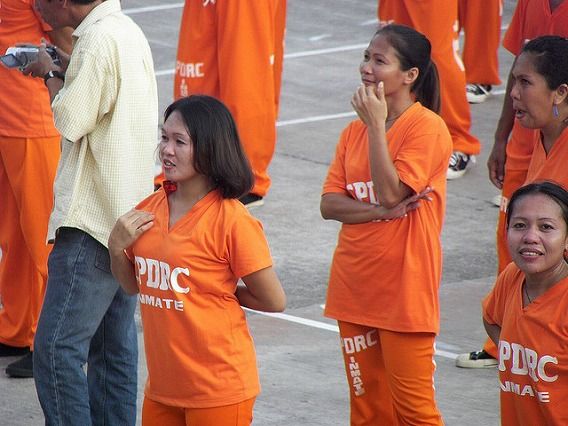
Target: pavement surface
pixel 298 352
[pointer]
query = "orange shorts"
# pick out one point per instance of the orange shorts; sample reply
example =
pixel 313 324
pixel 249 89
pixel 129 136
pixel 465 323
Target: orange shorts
pixel 390 376
pixel 157 414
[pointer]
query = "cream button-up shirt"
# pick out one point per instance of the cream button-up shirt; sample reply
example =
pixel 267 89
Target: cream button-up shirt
pixel 107 114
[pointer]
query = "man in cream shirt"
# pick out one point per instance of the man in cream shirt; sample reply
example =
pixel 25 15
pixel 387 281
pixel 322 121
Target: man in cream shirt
pixel 105 106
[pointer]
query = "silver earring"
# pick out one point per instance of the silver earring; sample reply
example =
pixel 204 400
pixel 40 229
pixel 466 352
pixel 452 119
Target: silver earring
pixel 555 110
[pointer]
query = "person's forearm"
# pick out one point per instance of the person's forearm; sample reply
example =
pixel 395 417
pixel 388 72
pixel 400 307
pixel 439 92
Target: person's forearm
pixel 507 117
pixel 347 210
pixel 54 85
pixel 391 191
pixel 123 270
pixel 493 331
pixel 249 300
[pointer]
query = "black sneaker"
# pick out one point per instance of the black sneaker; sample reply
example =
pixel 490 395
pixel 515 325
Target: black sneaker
pixel 22 368
pixel 458 164
pixel 477 93
pixel 7 350
pixel 476 359
pixel 251 200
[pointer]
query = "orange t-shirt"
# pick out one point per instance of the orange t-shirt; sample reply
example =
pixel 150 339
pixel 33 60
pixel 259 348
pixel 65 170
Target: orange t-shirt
pixel 531 19
pixel 198 347
pixel 24 101
pixel 533 351
pixel 551 166
pixel 387 274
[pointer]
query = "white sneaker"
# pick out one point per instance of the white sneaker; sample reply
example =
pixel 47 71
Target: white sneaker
pixel 459 162
pixel 496 200
pixel 477 93
pixel 476 359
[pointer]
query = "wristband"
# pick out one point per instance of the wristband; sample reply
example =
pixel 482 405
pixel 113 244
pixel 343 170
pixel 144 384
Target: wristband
pixel 53 74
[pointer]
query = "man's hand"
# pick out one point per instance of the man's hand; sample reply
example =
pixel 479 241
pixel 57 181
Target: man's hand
pixel 43 65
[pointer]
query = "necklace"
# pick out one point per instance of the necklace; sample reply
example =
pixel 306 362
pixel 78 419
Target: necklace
pixel 527 292
pixel 390 120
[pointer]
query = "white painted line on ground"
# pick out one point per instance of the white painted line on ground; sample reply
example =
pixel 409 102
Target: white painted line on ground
pixel 299 320
pixel 315 118
pixel 135 10
pixel 319 37
pixel 302 54
pixel 326 326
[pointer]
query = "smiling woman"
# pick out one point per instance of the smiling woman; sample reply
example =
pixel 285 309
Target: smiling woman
pixel 526 313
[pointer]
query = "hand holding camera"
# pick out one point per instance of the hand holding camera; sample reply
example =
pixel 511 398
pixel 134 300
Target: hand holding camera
pixel 22 56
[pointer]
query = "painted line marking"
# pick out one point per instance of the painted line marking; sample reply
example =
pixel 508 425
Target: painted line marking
pixel 302 54
pixel 329 327
pixel 136 10
pixel 315 119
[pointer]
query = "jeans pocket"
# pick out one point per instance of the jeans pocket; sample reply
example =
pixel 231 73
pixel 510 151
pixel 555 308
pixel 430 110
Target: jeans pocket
pixel 102 259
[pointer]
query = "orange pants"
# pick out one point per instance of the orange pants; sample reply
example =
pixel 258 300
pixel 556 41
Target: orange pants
pixel 390 376
pixel 233 50
pixel 438 20
pixel 27 171
pixel 157 414
pixel 481 22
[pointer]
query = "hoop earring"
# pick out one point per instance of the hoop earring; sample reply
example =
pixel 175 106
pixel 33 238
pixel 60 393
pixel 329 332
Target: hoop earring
pixel 555 110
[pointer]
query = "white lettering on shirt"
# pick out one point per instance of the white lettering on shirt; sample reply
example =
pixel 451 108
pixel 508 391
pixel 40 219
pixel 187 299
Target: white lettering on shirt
pixel 523 361
pixel 157 274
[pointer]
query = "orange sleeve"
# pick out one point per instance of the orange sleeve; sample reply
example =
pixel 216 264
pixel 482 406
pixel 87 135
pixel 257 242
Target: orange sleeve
pixel 247 245
pixel 513 39
pixel 336 182
pixel 493 306
pixel 419 158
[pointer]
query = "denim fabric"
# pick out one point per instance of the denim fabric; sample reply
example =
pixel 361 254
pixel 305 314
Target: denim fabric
pixel 86 318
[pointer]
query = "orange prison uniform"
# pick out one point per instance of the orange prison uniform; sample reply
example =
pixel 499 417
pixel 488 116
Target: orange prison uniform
pixel 198 347
pixel 541 167
pixel 232 50
pixel 29 152
pixel 156 414
pixel 386 275
pixel 533 356
pixel 481 22
pixel 531 19
pixel 437 20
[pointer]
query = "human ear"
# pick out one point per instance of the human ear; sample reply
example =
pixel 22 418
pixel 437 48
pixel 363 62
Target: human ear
pixel 561 94
pixel 411 75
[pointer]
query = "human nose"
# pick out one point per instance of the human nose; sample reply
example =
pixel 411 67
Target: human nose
pixel 530 235
pixel 166 147
pixel 514 91
pixel 365 68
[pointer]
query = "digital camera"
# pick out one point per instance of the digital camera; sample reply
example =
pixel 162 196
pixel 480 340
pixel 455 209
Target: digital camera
pixel 22 56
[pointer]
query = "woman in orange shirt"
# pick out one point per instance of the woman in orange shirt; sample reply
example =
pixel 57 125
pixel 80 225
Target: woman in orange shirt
pixel 525 314
pixel 386 270
pixel 183 249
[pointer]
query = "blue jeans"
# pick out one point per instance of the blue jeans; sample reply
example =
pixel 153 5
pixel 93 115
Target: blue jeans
pixel 86 318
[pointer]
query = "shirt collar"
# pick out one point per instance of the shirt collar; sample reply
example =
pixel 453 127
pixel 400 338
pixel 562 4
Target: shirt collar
pixel 107 7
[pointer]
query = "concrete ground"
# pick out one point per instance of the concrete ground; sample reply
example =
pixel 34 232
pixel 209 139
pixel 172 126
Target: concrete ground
pixel 299 357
